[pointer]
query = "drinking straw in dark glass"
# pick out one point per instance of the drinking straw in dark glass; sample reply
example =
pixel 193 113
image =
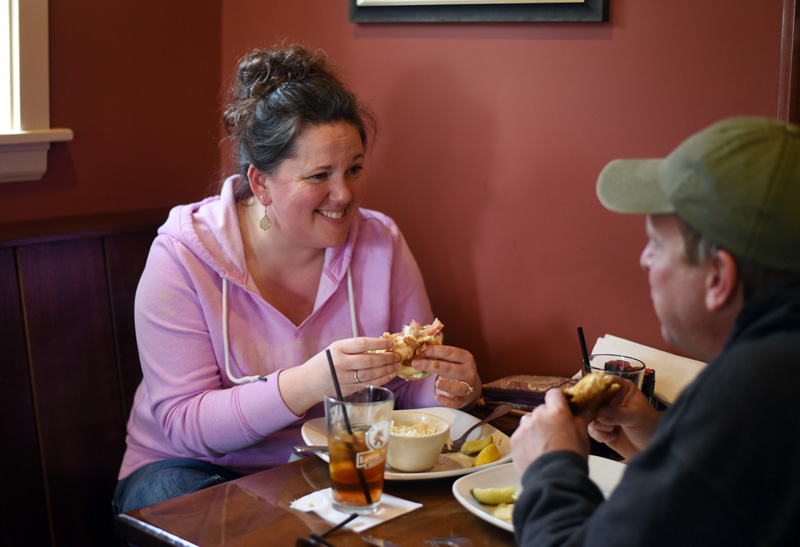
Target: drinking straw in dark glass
pixel 360 474
pixel 586 368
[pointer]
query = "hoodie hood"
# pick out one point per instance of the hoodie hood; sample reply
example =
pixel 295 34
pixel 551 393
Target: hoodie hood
pixel 210 229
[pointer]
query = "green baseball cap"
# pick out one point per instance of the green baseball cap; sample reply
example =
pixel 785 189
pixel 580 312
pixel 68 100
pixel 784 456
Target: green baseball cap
pixel 736 182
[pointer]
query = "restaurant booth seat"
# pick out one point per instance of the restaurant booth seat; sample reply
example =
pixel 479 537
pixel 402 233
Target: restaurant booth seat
pixel 70 368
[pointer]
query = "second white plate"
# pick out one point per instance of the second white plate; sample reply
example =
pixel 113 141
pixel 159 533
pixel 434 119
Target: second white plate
pixel 449 465
pixel 605 473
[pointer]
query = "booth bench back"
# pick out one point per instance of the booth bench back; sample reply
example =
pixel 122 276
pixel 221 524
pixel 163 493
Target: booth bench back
pixel 70 367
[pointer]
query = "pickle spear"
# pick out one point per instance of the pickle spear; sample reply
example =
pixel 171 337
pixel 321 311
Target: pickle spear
pixel 473 447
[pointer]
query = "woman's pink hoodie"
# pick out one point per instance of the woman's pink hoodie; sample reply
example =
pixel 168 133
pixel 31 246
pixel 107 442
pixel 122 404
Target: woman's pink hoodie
pixel 186 405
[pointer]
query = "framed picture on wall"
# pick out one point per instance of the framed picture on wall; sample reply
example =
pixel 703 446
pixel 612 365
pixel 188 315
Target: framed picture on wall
pixel 477 11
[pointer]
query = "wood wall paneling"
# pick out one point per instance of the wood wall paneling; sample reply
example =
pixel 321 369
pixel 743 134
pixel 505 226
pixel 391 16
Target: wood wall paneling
pixel 65 295
pixel 23 507
pixel 789 74
pixel 70 365
pixel 126 256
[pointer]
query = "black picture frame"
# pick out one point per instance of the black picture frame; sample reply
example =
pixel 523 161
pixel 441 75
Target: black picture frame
pixel 585 12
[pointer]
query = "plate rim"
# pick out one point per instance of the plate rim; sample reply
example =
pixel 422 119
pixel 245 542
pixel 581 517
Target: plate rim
pixel 476 508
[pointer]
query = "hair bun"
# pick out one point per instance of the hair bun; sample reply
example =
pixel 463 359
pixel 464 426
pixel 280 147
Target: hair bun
pixel 274 96
pixel 263 71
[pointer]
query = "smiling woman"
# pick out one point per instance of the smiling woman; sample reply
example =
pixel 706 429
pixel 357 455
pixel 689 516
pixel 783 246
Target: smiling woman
pixel 245 292
pixel 307 205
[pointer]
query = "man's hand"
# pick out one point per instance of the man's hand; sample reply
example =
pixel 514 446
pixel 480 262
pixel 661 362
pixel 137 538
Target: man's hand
pixel 627 423
pixel 550 427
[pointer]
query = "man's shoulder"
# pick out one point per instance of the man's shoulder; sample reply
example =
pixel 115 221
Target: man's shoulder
pixel 753 379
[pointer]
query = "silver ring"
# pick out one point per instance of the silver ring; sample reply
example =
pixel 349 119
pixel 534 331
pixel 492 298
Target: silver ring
pixel 355 373
pixel 469 386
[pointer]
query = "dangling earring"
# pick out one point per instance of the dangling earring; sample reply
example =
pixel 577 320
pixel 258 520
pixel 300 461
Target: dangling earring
pixel 265 221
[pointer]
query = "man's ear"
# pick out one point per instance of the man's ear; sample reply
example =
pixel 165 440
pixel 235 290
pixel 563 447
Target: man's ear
pixel 258 184
pixel 722 281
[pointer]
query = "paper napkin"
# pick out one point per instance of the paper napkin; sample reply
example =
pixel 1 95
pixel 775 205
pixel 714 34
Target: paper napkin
pixel 321 503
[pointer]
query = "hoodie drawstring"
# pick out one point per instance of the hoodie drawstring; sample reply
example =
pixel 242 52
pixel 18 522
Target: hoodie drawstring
pixel 225 342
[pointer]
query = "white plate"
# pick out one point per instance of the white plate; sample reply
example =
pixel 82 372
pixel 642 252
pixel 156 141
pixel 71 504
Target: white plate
pixel 605 473
pixel 449 465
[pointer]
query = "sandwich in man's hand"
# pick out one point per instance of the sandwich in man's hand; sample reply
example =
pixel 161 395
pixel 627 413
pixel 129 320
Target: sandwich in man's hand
pixel 411 342
pixel 593 391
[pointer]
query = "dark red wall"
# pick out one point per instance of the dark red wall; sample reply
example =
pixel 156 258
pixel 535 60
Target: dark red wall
pixel 492 136
pixel 138 83
pixel 492 139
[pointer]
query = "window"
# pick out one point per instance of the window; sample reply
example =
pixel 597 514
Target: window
pixel 5 65
pixel 25 132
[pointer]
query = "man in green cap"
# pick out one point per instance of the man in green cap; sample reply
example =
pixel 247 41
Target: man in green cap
pixel 720 466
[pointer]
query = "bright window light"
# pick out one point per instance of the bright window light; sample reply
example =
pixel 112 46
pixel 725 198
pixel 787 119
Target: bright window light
pixel 25 132
pixel 6 66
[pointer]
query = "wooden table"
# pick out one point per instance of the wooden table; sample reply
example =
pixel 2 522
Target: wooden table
pixel 254 510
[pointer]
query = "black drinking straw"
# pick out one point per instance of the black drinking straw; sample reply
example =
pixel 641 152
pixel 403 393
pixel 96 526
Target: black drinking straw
pixel 361 479
pixel 586 368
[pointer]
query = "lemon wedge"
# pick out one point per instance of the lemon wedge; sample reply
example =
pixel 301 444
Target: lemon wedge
pixel 473 447
pixel 494 496
pixel 487 455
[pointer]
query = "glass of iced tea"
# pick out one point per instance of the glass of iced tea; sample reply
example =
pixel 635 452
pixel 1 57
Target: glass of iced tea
pixel 358 436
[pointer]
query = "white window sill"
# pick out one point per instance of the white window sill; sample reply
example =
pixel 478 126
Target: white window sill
pixel 23 154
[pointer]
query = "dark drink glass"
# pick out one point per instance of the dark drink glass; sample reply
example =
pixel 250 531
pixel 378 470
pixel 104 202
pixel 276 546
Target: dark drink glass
pixel 625 367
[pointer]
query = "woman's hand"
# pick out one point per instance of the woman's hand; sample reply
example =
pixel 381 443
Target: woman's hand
pixel 304 386
pixel 356 366
pixel 458 384
pixel 627 423
pixel 550 427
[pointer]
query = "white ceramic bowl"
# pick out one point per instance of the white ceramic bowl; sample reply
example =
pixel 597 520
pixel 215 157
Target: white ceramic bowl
pixel 413 454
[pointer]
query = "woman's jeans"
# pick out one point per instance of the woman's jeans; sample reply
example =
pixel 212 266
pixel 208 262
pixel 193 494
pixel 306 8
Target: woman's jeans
pixel 166 479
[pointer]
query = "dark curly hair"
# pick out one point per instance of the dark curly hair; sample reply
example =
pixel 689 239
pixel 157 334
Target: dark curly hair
pixel 277 95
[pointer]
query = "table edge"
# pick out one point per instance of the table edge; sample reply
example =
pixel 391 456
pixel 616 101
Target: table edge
pixel 148 532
